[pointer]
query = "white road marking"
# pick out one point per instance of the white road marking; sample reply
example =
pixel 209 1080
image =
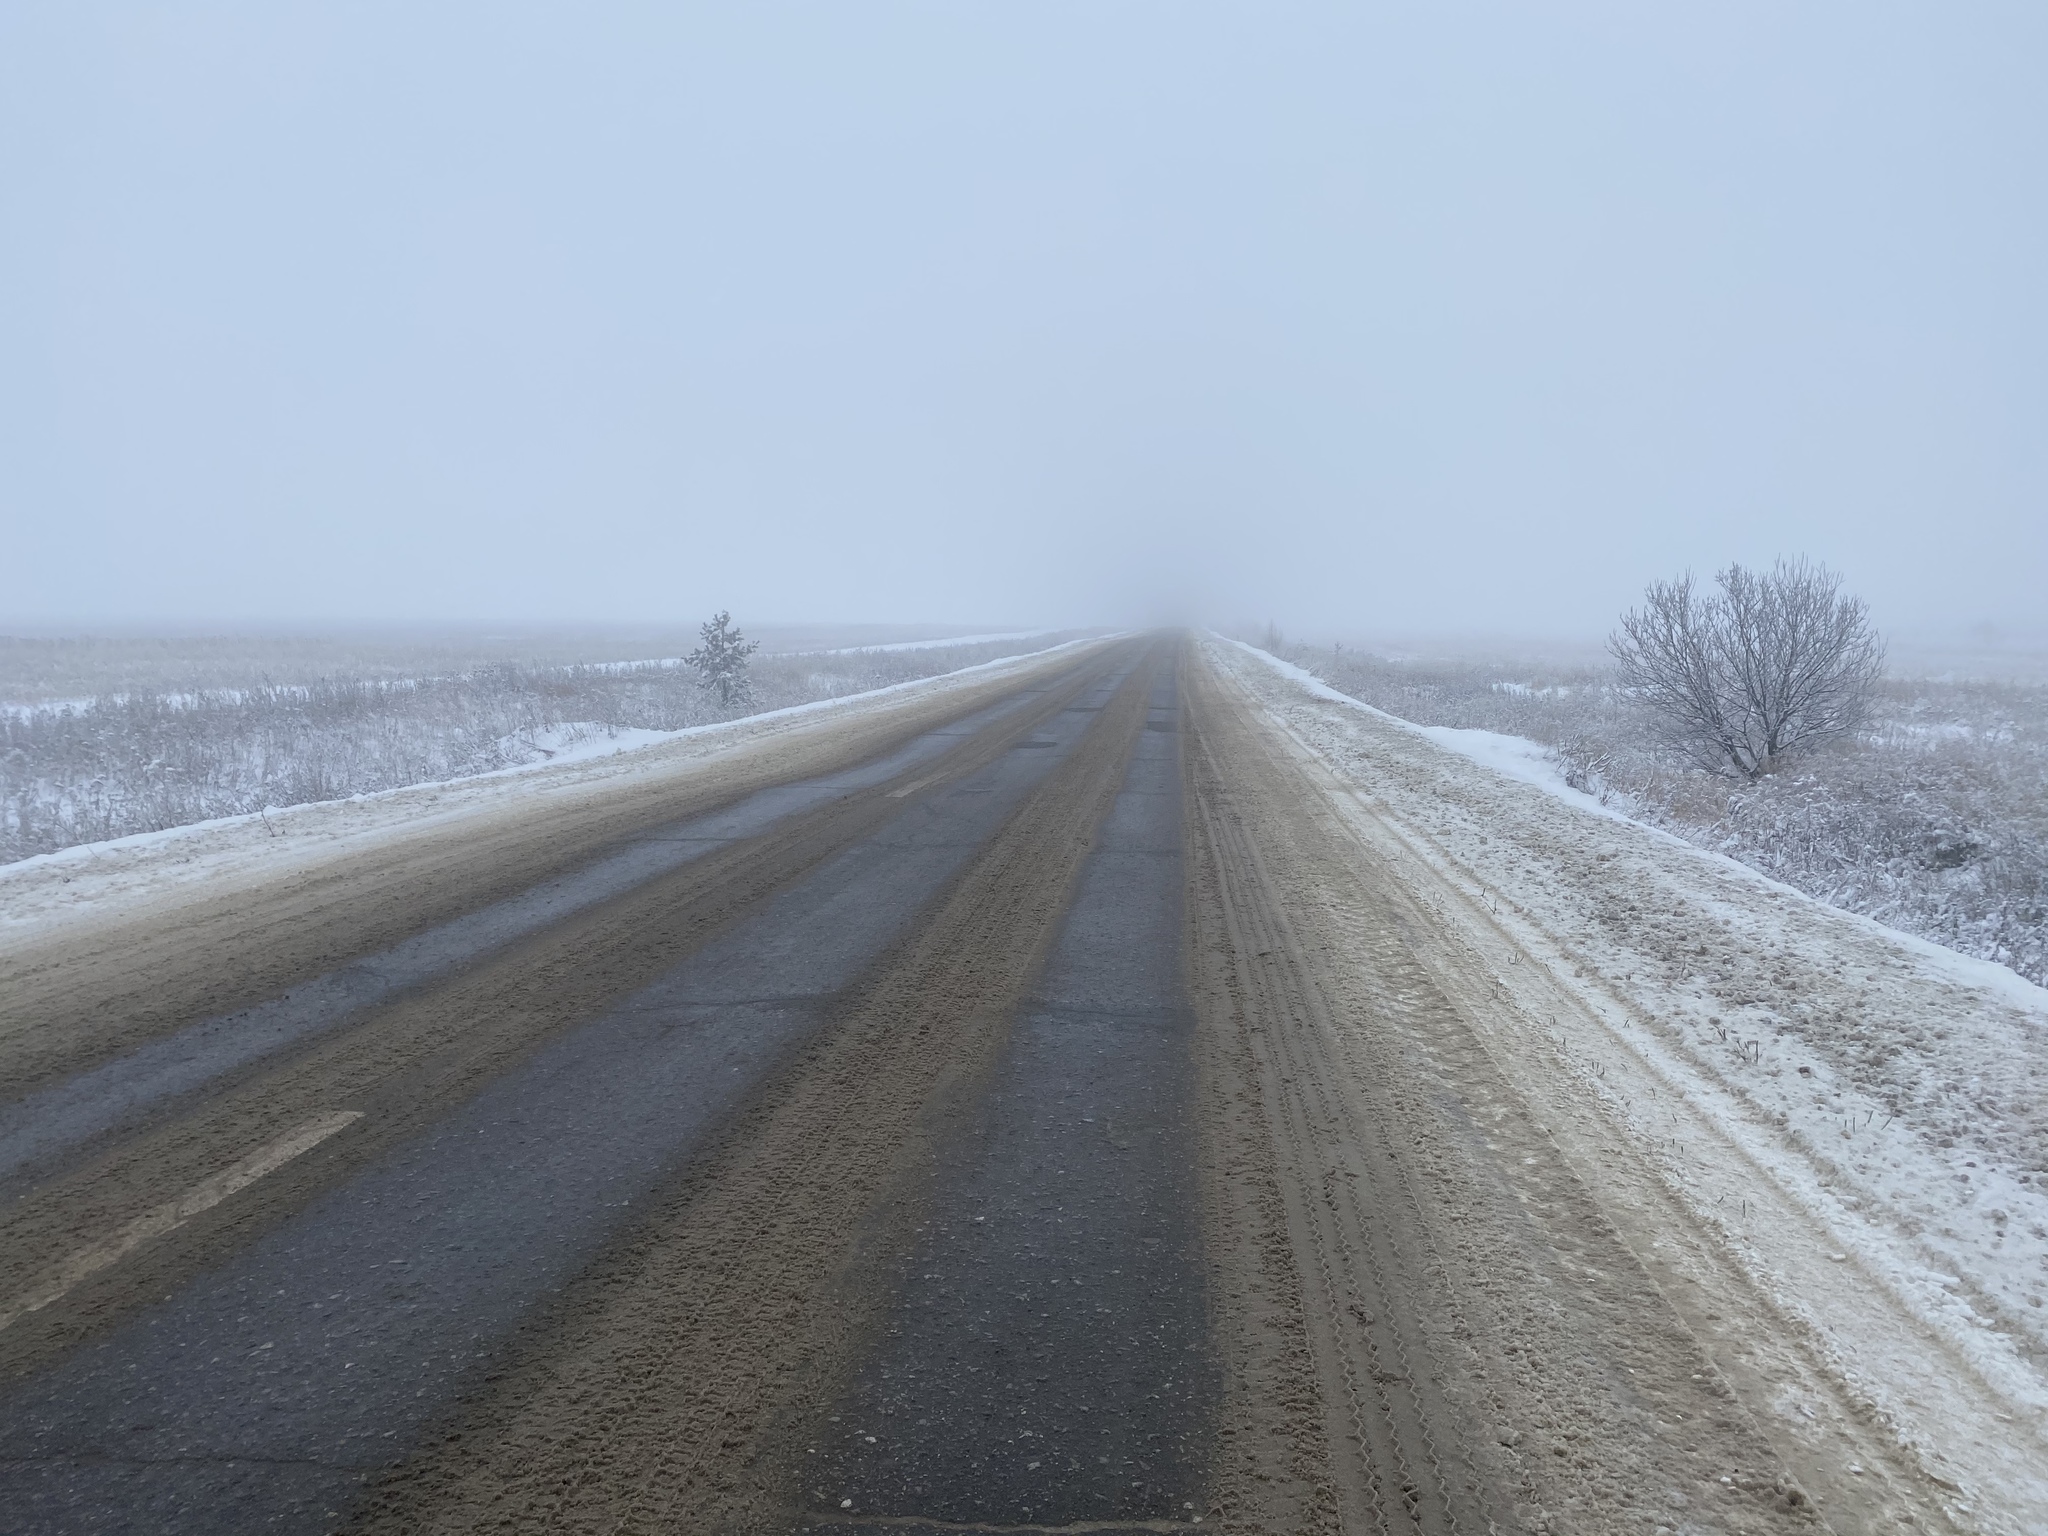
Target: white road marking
pixel 915 785
pixel 175 1213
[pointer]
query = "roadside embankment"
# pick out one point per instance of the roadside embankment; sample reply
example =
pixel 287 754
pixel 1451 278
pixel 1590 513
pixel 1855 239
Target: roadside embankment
pixel 1828 1141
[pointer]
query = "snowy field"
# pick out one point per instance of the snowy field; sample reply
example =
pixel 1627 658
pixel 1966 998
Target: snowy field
pixel 1935 820
pixel 100 740
pixel 60 668
pixel 105 881
pixel 1859 1115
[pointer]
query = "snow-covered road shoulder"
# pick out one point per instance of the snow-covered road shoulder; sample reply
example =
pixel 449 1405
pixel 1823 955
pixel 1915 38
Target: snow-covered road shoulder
pixel 1860 1117
pixel 95 883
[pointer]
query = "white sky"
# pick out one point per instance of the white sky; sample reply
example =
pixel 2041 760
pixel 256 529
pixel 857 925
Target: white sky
pixel 1353 315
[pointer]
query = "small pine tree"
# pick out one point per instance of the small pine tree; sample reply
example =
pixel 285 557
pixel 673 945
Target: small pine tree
pixel 721 662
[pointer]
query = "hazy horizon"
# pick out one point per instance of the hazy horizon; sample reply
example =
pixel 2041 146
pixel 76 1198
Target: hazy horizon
pixel 1359 320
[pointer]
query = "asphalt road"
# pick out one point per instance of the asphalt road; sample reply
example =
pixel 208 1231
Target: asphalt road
pixel 1031 1110
pixel 42 1127
pixel 1046 1357
pixel 263 1393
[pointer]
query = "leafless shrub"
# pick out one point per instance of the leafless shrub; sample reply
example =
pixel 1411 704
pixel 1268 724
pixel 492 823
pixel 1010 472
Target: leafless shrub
pixel 1932 818
pixel 1777 663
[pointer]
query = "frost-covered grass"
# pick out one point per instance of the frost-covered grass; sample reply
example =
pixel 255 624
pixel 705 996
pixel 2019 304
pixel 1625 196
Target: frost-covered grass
pixel 1934 820
pixel 206 740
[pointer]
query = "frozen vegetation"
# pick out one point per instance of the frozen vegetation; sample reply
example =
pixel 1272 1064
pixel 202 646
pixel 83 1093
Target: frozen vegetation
pixel 1932 819
pixel 174 732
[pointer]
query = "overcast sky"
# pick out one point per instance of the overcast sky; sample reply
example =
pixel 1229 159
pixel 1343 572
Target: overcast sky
pixel 1355 316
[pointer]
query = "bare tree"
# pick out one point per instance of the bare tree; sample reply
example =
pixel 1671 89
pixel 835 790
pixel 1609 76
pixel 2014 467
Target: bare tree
pixel 1774 663
pixel 721 661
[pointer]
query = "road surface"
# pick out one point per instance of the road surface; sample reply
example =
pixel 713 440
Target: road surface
pixel 1031 1111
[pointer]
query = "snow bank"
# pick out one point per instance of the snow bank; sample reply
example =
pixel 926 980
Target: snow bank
pixel 1516 756
pixel 932 645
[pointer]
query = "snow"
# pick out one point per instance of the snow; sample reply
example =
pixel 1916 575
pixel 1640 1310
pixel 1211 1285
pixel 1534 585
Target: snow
pixel 1516 756
pixel 1858 1115
pixel 578 741
pixel 931 645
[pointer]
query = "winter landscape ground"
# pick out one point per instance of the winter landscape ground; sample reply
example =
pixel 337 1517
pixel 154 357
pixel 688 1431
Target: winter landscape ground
pixel 1130 1085
pixel 1023 770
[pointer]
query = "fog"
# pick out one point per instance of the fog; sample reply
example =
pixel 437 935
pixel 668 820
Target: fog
pixel 1354 317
